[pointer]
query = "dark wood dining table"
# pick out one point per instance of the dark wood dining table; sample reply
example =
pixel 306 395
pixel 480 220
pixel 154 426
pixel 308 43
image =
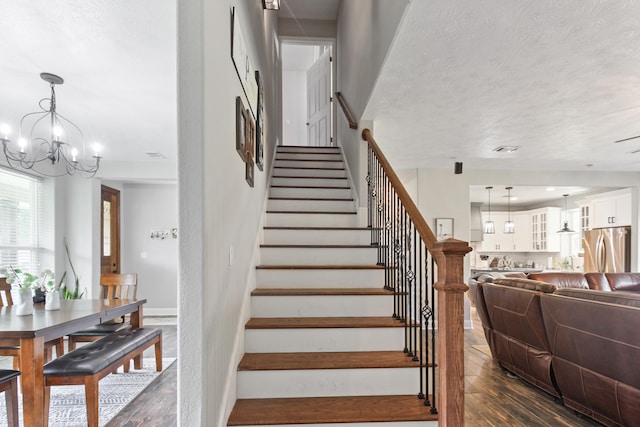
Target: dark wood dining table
pixel 31 332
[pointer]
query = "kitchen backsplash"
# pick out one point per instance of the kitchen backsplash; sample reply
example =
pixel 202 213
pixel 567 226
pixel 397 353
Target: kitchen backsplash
pixel 540 260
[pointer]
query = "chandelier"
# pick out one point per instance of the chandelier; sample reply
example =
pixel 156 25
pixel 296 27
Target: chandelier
pixel 43 144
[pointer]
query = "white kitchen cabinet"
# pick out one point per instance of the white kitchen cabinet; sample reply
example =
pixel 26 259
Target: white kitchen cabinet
pixel 501 242
pixel 522 236
pixel 545 223
pixel 611 209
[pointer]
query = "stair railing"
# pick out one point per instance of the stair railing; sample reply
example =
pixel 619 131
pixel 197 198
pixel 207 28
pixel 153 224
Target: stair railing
pixel 416 266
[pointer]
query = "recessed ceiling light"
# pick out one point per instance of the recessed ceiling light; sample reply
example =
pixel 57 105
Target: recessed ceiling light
pixel 505 149
pixel 155 155
pixel 551 189
pixel 589 165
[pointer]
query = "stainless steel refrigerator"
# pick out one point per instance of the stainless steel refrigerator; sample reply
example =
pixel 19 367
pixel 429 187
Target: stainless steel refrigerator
pixel 607 250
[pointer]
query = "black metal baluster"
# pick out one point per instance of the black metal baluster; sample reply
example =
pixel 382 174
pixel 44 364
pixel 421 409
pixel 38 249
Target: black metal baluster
pixel 434 409
pixel 421 281
pixel 416 302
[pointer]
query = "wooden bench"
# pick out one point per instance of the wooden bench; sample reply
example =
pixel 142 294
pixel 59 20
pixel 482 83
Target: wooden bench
pixel 90 363
pixel 9 385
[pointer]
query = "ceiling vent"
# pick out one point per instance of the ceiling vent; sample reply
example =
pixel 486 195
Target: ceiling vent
pixel 155 155
pixel 505 149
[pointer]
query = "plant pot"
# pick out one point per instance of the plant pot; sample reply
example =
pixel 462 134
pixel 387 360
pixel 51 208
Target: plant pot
pixel 23 302
pixel 52 300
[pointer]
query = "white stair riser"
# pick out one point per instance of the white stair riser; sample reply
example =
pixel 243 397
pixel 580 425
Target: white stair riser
pixel 308 164
pixel 319 256
pixel 306 149
pixel 327 382
pixel 311 182
pixel 339 278
pixel 327 173
pixel 322 306
pixel 323 339
pixel 317 237
pixel 376 424
pixel 311 205
pixel 336 193
pixel 311 220
pixel 309 156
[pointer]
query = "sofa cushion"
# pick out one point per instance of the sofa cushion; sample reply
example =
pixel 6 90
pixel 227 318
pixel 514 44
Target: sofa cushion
pixel 532 285
pixel 597 281
pixel 621 298
pixel 562 279
pixel 624 281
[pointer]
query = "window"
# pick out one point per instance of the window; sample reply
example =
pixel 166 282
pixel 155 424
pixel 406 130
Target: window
pixel 20 219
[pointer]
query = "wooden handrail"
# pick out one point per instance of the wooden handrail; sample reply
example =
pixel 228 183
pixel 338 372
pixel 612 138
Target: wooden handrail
pixel 449 258
pixel 347 112
pixel 412 210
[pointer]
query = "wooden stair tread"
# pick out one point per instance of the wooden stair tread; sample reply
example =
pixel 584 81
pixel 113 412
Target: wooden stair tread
pixel 283 246
pixel 322 322
pixel 309 168
pixel 326 360
pixel 321 267
pixel 309 160
pixel 310 177
pixel 311 187
pixel 319 291
pixel 275 227
pixel 308 199
pixel 319 410
pixel 313 212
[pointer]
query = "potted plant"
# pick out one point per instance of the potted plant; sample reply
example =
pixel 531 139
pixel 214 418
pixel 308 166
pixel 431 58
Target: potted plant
pixel 22 284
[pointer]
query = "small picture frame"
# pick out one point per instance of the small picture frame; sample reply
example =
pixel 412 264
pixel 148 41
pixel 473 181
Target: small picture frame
pixel 241 129
pixel 250 142
pixel 249 171
pixel 444 228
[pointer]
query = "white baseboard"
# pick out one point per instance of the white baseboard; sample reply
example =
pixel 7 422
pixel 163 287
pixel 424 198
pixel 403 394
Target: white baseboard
pixel 160 311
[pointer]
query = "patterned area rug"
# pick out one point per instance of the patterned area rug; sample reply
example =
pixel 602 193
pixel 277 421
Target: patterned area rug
pixel 116 391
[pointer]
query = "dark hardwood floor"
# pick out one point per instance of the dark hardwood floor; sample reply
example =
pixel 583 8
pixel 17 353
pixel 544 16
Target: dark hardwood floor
pixel 492 398
pixel 157 404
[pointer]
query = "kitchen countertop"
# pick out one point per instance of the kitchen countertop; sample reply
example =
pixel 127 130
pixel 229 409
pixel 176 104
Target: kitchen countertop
pixel 503 270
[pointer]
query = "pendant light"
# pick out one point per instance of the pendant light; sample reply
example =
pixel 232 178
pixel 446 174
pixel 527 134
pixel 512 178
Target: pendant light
pixel 565 228
pixel 489 227
pixel 509 226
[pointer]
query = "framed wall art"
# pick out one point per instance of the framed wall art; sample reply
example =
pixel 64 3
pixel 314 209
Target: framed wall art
pixel 248 172
pixel 260 125
pixel 444 228
pixel 251 137
pixel 242 62
pixel 241 129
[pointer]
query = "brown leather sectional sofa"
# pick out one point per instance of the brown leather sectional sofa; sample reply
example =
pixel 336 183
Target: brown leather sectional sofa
pixel 574 335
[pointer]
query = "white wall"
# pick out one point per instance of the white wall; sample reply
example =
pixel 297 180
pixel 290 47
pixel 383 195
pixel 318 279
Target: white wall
pixel 294 107
pixel 306 28
pixel 81 225
pixel 147 207
pixel 366 29
pixel 219 214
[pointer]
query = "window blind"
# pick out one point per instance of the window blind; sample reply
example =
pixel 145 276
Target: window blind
pixel 20 220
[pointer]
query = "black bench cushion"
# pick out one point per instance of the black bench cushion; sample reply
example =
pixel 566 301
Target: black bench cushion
pixel 98 355
pixel 101 329
pixel 7 375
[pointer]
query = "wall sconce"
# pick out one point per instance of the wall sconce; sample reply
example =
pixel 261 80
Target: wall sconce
pixel 271 4
pixel 164 234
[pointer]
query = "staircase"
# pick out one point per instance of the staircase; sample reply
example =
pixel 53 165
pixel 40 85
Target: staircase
pixel 322 346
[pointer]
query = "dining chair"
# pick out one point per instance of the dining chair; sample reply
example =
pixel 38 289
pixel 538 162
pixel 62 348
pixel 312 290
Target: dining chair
pixel 14 350
pixel 112 286
pixel 9 385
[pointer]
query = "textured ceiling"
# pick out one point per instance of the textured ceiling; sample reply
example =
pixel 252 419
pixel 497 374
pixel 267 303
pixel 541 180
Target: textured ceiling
pixel 560 80
pixel 309 9
pixel 118 59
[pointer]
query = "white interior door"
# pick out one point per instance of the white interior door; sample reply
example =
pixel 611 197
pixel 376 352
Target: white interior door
pixel 319 101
